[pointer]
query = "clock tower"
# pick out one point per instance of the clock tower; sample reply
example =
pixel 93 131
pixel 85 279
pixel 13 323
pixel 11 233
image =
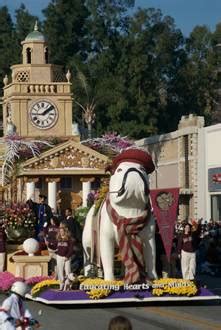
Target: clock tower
pixel 37 100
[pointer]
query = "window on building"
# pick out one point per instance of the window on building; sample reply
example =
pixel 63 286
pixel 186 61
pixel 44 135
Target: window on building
pixel 66 182
pixel 28 55
pixel 46 55
pixel 216 207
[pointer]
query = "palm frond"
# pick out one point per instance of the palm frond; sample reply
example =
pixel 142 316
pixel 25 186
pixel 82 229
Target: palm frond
pixel 14 145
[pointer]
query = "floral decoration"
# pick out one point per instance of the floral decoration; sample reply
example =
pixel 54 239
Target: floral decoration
pixel 17 148
pixel 19 221
pixel 100 288
pixel 174 286
pixel 37 279
pixel 6 281
pixel 80 214
pixel 110 143
pixel 101 196
pixel 44 285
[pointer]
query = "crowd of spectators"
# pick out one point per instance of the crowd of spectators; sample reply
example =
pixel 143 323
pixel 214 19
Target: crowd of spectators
pixel 196 250
pixel 196 246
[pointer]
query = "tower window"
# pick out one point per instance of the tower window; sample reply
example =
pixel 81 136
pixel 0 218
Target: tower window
pixel 28 54
pixel 46 55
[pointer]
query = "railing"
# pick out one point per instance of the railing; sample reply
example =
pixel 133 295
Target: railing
pixel 45 89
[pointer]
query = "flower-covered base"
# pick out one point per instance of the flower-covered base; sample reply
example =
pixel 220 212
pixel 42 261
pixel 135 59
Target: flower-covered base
pixel 98 291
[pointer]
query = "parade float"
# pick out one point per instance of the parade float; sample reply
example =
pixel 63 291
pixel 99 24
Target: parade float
pixel 120 229
pixel 118 240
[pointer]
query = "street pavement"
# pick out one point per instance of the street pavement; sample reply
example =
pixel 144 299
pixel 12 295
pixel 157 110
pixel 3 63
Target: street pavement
pixel 171 316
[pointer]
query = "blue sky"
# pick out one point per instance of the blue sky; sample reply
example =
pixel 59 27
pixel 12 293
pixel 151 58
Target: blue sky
pixel 187 13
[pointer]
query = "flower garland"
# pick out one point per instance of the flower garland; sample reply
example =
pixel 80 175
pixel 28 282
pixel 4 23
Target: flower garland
pixel 100 197
pixel 39 287
pixel 98 288
pixel 174 286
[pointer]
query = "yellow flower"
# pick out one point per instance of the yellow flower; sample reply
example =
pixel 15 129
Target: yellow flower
pixel 37 288
pixel 174 287
pixel 98 288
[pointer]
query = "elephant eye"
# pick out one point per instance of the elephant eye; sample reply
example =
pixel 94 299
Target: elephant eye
pixel 119 169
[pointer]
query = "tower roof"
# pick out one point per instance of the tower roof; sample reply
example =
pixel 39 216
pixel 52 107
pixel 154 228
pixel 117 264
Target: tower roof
pixel 35 35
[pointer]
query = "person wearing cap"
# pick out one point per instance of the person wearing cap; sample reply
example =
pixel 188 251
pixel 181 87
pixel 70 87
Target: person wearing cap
pixel 43 213
pixel 13 314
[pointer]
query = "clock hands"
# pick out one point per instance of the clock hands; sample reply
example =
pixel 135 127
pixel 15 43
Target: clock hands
pixel 48 110
pixel 45 111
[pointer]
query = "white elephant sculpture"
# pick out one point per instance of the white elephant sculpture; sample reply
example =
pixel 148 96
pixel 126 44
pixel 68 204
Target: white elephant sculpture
pixel 125 218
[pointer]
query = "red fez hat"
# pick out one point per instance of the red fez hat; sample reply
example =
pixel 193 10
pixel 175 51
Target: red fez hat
pixel 135 156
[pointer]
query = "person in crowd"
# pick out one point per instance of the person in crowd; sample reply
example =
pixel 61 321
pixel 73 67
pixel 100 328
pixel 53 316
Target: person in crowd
pixel 169 266
pixel 65 248
pixel 159 252
pixel 188 243
pixel 43 213
pixel 2 246
pixel 76 233
pixel 212 259
pixel 13 314
pixel 72 225
pixel 50 236
pixel 120 323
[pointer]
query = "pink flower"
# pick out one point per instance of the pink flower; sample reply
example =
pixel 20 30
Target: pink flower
pixel 7 279
pixel 37 279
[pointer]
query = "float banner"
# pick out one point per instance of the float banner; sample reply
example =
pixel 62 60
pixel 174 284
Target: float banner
pixel 165 204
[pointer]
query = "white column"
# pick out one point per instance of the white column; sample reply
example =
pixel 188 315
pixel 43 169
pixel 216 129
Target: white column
pixel 30 190
pixel 52 193
pixel 86 188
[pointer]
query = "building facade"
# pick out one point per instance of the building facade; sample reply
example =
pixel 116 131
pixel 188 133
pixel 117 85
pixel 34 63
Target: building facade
pixel 209 173
pixel 37 104
pixel 176 158
pixel 37 98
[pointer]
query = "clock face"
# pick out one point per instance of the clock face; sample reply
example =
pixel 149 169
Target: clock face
pixel 43 114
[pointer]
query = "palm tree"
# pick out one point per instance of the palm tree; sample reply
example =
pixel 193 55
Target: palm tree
pixel 87 104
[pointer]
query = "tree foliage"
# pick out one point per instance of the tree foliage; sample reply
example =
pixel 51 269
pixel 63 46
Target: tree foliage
pixel 7 39
pixel 141 73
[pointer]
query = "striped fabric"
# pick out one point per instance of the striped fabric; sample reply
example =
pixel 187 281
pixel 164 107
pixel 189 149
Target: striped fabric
pixel 130 244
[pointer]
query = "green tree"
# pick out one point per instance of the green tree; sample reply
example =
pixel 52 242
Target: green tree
pixel 195 82
pixel 64 27
pixel 24 24
pixel 139 72
pixel 7 43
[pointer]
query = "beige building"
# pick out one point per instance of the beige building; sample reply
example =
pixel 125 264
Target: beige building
pixel 176 157
pixel 37 98
pixel 37 104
